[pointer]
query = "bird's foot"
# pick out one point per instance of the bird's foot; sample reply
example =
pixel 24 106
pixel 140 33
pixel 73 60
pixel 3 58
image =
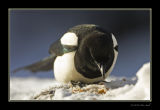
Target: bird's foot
pixel 77 83
pixel 82 84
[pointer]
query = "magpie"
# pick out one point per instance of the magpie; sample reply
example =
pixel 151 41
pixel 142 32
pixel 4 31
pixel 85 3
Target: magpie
pixel 85 53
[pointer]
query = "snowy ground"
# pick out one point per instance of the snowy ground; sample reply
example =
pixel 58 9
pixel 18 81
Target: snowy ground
pixel 117 88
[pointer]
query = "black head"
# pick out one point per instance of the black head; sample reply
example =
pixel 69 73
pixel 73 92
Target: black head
pixel 100 46
pixel 95 54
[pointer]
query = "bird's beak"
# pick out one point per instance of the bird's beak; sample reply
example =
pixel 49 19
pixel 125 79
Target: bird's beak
pixel 102 70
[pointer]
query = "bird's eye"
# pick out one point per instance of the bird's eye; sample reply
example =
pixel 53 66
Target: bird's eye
pixel 116 48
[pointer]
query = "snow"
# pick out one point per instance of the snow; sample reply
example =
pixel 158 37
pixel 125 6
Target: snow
pixel 116 88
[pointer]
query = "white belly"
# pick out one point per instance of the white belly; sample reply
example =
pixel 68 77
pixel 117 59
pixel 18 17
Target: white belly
pixel 65 71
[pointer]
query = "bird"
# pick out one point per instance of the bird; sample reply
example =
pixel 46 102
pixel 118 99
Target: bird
pixel 86 53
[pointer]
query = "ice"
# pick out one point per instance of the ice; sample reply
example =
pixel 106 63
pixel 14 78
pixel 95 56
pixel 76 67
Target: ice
pixel 117 88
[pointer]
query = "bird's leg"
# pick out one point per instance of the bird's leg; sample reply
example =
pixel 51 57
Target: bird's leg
pixel 81 84
pixel 77 83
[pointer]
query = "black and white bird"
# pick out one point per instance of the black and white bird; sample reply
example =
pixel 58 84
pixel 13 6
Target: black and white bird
pixel 85 53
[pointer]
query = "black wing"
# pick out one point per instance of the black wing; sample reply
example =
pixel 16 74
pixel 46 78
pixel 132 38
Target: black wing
pixel 56 48
pixel 45 64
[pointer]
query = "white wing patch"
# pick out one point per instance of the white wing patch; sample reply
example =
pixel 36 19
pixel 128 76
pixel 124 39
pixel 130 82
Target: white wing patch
pixel 69 39
pixel 114 40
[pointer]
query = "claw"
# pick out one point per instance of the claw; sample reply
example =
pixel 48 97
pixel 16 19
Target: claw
pixel 77 83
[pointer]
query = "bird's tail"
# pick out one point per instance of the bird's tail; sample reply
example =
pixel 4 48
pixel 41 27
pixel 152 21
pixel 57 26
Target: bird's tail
pixel 45 64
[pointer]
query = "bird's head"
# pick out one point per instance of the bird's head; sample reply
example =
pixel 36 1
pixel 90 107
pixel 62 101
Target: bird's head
pixel 98 48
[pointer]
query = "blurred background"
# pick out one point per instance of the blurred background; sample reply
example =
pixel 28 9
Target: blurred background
pixel 32 31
